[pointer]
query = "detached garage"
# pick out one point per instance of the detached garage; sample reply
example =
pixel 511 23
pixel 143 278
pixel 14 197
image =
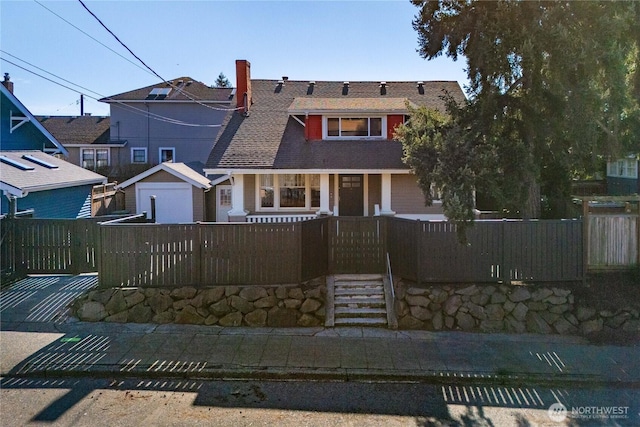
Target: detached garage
pixel 181 193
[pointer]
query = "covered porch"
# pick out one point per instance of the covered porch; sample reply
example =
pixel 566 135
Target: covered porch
pixel 294 195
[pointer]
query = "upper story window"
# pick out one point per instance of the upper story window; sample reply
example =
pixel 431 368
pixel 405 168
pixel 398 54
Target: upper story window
pixel 623 168
pixel 354 127
pixel 139 155
pixel 94 158
pixel 167 154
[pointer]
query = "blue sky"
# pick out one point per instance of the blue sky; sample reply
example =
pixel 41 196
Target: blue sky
pixel 304 40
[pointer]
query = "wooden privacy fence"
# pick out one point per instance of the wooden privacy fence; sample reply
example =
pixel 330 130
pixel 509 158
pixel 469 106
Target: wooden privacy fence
pixel 156 255
pixel 496 251
pixel 357 245
pixel 55 246
pixel 613 241
pixel 212 254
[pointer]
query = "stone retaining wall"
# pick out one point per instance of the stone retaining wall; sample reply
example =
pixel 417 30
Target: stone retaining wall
pixel 274 306
pixel 504 308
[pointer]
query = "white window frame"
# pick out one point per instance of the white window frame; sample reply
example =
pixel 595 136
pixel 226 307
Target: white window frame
pixel 325 126
pixel 276 195
pixel 143 149
pixel 623 168
pixel 95 157
pixel 173 156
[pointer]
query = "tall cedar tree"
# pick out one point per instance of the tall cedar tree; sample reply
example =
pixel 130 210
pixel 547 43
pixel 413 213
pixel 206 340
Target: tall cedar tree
pixel 554 89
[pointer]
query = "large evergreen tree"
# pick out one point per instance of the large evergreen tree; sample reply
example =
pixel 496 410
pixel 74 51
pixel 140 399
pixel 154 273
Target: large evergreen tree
pixel 554 89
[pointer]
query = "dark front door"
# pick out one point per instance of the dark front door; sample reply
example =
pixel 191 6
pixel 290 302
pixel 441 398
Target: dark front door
pixel 351 195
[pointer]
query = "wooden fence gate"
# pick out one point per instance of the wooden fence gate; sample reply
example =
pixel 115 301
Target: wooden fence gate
pixel 357 245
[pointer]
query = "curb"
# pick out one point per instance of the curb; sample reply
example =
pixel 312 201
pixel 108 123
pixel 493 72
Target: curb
pixel 326 374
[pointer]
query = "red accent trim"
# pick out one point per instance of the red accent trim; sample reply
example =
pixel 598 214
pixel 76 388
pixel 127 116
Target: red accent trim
pixel 393 120
pixel 313 127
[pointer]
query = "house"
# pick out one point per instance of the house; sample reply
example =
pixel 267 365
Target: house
pixel 182 193
pixel 296 149
pixel 20 130
pixel 32 173
pixel 173 121
pixel 52 187
pixel 622 176
pixel 87 140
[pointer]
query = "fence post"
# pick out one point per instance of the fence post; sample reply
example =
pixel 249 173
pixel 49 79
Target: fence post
pixel 197 256
pixel 585 240
pixel 506 269
pixel 298 226
pixel 418 239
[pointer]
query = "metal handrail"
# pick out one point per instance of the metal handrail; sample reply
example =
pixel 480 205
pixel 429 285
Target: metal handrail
pixel 393 291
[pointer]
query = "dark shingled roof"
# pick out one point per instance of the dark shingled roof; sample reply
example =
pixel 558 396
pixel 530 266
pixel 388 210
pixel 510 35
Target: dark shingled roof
pixel 270 139
pixel 182 89
pixel 77 130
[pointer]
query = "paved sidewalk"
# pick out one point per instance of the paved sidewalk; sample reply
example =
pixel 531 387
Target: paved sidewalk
pixel 347 354
pixel 38 339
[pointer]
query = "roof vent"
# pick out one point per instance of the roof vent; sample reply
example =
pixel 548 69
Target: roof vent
pixel 420 87
pixel 285 78
pixel 345 88
pixel 383 88
pixel 312 85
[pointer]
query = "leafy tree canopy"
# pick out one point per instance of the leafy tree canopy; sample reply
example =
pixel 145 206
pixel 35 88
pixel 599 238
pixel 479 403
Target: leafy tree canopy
pixel 222 81
pixel 554 89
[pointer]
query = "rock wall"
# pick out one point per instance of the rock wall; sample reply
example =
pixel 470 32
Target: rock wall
pixel 274 306
pixel 504 308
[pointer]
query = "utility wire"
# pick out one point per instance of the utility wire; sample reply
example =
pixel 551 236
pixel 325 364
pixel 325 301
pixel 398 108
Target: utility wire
pixel 131 108
pixel 188 95
pixel 91 37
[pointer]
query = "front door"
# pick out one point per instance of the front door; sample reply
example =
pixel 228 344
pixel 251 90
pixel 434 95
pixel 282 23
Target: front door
pixel 351 195
pixel 223 203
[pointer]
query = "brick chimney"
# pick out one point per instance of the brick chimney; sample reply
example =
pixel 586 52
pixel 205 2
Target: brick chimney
pixel 7 83
pixel 243 85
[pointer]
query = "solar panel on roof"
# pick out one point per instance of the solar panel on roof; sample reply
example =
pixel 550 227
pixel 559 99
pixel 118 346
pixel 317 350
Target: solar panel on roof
pixel 16 164
pixel 39 161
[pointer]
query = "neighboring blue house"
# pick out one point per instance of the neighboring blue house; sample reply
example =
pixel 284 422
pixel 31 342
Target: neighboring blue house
pixel 30 174
pixel 622 177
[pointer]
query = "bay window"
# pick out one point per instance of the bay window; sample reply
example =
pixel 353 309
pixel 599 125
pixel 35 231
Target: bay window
pixel 288 191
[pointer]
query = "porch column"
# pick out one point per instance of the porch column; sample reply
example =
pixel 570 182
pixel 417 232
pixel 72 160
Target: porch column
pixel 324 195
pixel 237 212
pixel 385 201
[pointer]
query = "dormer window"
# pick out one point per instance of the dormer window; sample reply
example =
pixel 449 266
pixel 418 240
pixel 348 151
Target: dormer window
pixel 354 127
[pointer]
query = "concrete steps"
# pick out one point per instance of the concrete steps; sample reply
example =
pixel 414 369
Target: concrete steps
pixel 359 300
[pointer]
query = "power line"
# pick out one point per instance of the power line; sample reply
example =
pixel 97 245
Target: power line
pixel 131 108
pixel 91 37
pixel 187 94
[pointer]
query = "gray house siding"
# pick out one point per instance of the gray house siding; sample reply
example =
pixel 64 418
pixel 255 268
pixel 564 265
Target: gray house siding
pixel 407 198
pixel 375 192
pixel 191 143
pixel 73 202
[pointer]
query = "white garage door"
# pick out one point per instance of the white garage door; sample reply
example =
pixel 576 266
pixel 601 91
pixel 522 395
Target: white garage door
pixel 174 201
